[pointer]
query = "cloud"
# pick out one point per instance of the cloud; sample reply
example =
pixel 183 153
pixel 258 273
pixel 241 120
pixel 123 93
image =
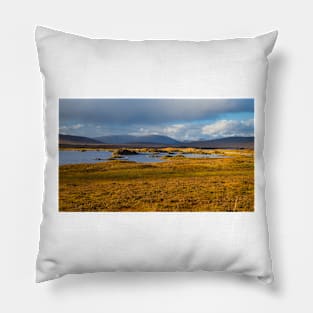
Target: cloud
pixel 191 131
pixel 229 128
pixel 183 132
pixel 71 127
pixel 176 131
pixel 173 130
pixel 147 111
pixel 181 119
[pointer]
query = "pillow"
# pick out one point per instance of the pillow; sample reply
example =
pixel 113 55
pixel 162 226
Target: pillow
pixel 154 155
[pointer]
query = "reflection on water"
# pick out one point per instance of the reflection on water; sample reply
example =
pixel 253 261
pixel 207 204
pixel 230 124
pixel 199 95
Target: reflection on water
pixel 94 156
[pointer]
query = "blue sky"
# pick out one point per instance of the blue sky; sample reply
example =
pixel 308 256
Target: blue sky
pixel 181 119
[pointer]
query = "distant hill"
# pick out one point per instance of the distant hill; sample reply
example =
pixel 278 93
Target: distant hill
pixel 129 139
pixel 76 140
pixel 227 143
pixel 156 141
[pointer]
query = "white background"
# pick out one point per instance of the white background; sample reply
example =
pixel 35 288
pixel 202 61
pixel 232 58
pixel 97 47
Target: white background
pixel 289 151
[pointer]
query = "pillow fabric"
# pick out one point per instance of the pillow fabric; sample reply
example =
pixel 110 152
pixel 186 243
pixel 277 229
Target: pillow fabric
pixel 154 155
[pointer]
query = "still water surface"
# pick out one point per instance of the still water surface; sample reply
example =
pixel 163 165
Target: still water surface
pixel 93 156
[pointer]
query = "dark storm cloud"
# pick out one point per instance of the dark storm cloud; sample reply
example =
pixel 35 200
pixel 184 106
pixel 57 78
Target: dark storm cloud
pixel 147 111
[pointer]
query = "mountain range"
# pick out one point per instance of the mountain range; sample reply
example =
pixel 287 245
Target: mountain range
pixel 130 139
pixel 155 141
pixel 76 140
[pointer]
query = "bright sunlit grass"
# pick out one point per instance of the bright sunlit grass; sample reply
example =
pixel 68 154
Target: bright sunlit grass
pixel 178 184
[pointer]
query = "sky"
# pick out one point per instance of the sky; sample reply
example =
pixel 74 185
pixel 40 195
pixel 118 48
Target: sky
pixel 180 119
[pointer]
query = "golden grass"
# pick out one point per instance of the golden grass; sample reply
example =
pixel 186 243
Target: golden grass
pixel 178 184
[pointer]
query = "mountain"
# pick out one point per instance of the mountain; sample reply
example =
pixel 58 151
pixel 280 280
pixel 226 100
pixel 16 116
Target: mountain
pixel 129 139
pixel 157 141
pixel 227 143
pixel 76 140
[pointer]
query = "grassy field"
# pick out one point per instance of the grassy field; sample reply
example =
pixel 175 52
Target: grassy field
pixel 179 184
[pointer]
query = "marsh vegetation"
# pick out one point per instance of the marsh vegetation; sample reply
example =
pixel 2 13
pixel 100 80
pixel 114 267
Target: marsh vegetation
pixel 178 183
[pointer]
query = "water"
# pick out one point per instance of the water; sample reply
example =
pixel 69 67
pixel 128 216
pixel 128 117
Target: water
pixel 88 156
pixel 93 156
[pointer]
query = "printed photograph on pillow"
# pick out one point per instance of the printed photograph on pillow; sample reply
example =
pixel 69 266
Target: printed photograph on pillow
pixel 156 155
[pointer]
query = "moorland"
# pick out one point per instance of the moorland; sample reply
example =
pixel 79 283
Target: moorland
pixel 177 184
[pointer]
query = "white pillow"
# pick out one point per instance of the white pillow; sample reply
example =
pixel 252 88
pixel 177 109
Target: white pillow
pixel 207 82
